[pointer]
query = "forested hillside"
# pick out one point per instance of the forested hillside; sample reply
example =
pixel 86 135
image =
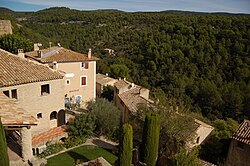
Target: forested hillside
pixel 200 59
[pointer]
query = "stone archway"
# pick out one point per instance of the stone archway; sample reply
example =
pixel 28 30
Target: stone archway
pixel 61 118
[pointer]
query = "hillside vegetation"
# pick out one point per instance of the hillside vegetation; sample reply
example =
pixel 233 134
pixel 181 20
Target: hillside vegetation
pixel 202 60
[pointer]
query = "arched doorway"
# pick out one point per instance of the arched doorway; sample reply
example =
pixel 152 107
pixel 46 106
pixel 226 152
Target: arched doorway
pixel 61 118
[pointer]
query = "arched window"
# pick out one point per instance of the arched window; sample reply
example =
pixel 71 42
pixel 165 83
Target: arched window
pixel 53 115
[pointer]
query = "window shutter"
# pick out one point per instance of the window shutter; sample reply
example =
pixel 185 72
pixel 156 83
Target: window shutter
pixel 86 65
pixel 83 80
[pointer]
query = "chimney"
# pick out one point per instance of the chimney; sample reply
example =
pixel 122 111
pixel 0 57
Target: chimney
pixel 20 53
pixel 54 65
pixel 36 46
pixel 89 53
pixel 40 54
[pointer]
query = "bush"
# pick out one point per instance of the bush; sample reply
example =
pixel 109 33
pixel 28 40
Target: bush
pixel 51 149
pixel 107 116
pixel 74 141
pixel 82 126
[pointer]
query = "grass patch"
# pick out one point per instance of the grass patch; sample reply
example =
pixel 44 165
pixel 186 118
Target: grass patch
pixel 83 153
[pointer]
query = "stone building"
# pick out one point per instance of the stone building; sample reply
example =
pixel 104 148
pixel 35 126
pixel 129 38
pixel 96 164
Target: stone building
pixel 102 81
pixel 5 27
pixel 38 91
pixel 128 97
pixel 239 150
pixel 79 69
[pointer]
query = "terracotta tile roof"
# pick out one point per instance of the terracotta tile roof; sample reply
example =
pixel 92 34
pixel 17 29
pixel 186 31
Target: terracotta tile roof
pixel 121 84
pixel 11 114
pixel 205 163
pixel 59 54
pixel 103 79
pixel 132 99
pixel 243 133
pixel 99 161
pixel 15 71
pixel 52 134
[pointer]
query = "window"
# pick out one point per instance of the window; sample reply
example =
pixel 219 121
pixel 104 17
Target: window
pixel 45 89
pixel 83 80
pixel 7 93
pixel 85 65
pixel 197 140
pixel 68 82
pixel 14 93
pixel 39 116
pixel 53 115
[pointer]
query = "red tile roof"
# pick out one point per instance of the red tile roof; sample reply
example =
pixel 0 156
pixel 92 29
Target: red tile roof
pixel 243 133
pixel 15 70
pixel 12 115
pixel 132 98
pixel 54 133
pixel 59 54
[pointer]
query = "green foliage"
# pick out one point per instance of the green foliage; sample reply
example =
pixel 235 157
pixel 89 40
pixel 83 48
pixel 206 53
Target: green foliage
pixel 12 43
pixel 72 141
pixel 199 59
pixel 126 145
pixel 118 70
pixel 4 159
pixel 107 116
pixel 186 158
pixel 150 139
pixel 51 149
pixel 215 150
pixel 108 92
pixel 82 126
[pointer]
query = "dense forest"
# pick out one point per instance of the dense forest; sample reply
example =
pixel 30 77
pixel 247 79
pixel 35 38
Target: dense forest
pixel 200 59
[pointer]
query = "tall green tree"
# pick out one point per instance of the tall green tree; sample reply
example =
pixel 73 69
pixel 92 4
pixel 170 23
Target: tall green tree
pixel 14 42
pixel 150 139
pixel 4 159
pixel 126 145
pixel 107 116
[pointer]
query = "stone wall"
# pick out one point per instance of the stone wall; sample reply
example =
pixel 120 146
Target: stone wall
pixel 29 98
pixel 5 27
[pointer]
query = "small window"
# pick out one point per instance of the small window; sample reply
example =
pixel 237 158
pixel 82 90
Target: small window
pixel 14 93
pixel 7 93
pixel 53 115
pixel 198 140
pixel 240 145
pixel 68 82
pixel 84 80
pixel 39 115
pixel 85 65
pixel 45 89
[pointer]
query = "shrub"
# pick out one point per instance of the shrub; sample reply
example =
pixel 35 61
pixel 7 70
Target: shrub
pixel 74 141
pixel 126 145
pixel 150 140
pixel 51 149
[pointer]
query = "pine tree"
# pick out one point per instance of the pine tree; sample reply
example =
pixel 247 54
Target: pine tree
pixel 126 146
pixel 150 139
pixel 4 158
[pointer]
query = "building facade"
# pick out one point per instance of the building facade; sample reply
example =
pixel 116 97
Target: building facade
pixel 102 81
pixel 79 70
pixel 128 97
pixel 35 88
pixel 239 150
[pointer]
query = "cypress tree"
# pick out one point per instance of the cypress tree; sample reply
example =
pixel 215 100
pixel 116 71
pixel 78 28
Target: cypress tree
pixel 4 158
pixel 126 146
pixel 150 139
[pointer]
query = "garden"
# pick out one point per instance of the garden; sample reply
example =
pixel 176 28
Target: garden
pixel 79 155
